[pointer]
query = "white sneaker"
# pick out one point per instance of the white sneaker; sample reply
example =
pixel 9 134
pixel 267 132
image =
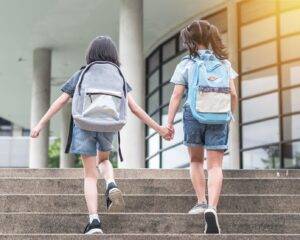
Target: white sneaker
pixel 211 222
pixel 198 208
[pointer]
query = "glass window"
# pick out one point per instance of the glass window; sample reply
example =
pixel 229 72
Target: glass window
pixel 260 133
pixel 154 162
pixel 259 82
pixel 291 74
pixel 290 22
pixel 289 4
pixel 153 102
pixel 260 107
pixel 153 81
pixel 291 154
pixel 291 100
pixel 260 56
pixel 262 158
pixel 219 20
pixel 169 67
pixel 175 157
pixel 290 48
pixel 169 49
pixel 153 145
pixel 256 32
pixel 153 61
pixel 251 10
pixel 291 127
pixel 167 92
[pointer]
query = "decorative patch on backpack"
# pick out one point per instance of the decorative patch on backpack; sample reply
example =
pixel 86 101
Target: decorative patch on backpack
pixel 212 78
pixel 214 89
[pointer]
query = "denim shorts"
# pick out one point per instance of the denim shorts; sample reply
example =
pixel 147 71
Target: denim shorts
pixel 210 136
pixel 87 142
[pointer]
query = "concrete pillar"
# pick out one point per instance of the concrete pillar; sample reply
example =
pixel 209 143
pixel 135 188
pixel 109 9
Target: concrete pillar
pixel 132 61
pixel 66 160
pixel 40 101
pixel 234 147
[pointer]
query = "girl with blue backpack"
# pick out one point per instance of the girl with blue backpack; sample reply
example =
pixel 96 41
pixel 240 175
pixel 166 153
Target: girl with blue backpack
pixel 206 77
pixel 99 95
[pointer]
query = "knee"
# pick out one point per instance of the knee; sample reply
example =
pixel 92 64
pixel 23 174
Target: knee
pixel 196 159
pixel 90 173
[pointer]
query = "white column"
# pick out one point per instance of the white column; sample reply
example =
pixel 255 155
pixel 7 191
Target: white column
pixel 132 61
pixel 233 57
pixel 40 100
pixel 65 160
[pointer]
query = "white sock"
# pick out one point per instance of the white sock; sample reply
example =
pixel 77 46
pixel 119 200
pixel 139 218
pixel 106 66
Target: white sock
pixel 94 216
pixel 110 181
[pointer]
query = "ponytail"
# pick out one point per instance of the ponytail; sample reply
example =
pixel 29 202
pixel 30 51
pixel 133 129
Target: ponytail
pixel 216 43
pixel 190 36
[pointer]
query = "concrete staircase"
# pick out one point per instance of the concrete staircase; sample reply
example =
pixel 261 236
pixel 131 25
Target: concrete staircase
pixel 49 204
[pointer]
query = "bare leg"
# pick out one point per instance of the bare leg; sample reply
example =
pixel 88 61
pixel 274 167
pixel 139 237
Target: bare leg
pixel 215 176
pixel 197 172
pixel 105 167
pixel 90 183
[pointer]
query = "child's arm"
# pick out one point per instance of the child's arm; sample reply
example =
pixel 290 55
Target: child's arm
pixel 141 114
pixel 54 108
pixel 234 97
pixel 174 105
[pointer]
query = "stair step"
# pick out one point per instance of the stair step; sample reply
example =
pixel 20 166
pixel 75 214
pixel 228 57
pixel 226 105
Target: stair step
pixel 143 173
pixel 149 186
pixel 64 203
pixel 25 223
pixel 152 237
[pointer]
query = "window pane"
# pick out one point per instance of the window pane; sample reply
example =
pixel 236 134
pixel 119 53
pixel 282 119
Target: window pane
pixel 260 107
pixel 256 32
pixel 153 102
pixel 260 56
pixel 169 67
pixel 251 10
pixel 155 117
pixel 169 49
pixel 291 127
pixel 153 81
pixel 167 92
pixel 291 100
pixel 261 133
pixel 288 4
pixel 259 82
pixel 291 74
pixel 175 157
pixel 219 20
pixel 262 158
pixel 153 145
pixel 290 22
pixel 291 154
pixel 154 162
pixel 153 61
pixel 290 48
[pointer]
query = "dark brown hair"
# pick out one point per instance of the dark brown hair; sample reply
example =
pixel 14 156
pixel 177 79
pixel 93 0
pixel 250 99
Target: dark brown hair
pixel 102 48
pixel 201 32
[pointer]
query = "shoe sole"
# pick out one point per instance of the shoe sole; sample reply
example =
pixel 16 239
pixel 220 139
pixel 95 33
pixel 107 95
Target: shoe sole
pixel 94 231
pixel 197 211
pixel 118 204
pixel 212 225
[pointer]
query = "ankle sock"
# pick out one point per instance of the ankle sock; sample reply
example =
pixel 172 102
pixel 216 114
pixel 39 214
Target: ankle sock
pixel 93 216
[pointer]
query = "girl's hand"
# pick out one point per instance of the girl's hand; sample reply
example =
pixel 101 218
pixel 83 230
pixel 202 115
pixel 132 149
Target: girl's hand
pixel 165 133
pixel 171 129
pixel 36 131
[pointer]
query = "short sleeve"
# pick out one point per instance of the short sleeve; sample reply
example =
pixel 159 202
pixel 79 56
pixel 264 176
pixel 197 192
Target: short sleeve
pixel 232 74
pixel 70 85
pixel 180 75
pixel 129 88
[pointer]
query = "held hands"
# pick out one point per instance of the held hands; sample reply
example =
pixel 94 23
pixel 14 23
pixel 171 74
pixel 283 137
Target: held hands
pixel 36 131
pixel 167 132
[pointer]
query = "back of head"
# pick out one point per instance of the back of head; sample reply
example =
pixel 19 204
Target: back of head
pixel 102 48
pixel 201 32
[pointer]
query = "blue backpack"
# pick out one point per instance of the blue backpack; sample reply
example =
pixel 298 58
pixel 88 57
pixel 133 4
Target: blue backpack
pixel 209 90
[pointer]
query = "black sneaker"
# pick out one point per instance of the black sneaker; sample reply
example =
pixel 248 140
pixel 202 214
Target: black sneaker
pixel 114 198
pixel 93 228
pixel 211 222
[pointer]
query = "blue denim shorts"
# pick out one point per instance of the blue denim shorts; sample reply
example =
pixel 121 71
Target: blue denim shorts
pixel 87 142
pixel 210 136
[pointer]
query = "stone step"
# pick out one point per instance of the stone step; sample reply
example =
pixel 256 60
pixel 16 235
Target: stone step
pixel 143 173
pixel 64 203
pixel 144 223
pixel 152 237
pixel 149 186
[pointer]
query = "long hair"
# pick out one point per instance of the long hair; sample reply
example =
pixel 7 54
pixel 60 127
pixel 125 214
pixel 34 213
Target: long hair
pixel 102 48
pixel 201 32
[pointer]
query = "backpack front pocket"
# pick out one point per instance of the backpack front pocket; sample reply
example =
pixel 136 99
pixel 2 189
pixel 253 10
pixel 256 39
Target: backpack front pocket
pixel 213 102
pixel 102 104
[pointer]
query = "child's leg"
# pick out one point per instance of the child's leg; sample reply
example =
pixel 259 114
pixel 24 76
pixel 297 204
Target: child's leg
pixel 90 183
pixel 215 176
pixel 197 172
pixel 105 167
